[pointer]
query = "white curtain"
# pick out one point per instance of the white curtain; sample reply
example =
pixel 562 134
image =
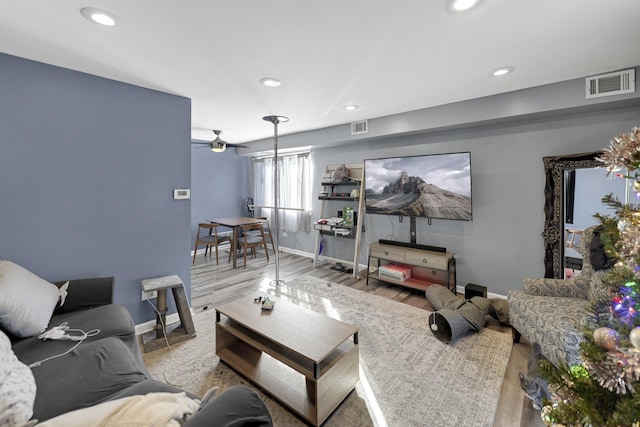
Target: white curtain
pixel 295 190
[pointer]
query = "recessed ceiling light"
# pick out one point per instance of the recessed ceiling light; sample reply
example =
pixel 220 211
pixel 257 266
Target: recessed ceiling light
pixel 270 82
pixel 456 6
pixel 99 16
pixel 502 71
pixel 350 107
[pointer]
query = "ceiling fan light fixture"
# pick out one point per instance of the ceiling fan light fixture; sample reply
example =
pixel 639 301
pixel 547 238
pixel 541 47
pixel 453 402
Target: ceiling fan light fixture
pixel 219 147
pixel 99 16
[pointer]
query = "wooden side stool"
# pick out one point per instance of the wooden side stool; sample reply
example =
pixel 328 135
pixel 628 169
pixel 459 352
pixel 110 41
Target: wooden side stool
pixel 180 333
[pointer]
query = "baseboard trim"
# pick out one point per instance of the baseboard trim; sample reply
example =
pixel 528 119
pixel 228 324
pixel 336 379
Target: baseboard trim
pixel 145 327
pixel 321 257
pixel 460 290
pixel 492 295
pixel 222 246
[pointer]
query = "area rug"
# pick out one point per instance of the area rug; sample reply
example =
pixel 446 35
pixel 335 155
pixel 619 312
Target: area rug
pixel 407 376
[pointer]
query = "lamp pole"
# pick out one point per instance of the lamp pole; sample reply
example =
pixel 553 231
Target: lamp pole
pixel 276 193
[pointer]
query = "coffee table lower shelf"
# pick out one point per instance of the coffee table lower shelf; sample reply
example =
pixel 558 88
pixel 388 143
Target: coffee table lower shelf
pixel 311 391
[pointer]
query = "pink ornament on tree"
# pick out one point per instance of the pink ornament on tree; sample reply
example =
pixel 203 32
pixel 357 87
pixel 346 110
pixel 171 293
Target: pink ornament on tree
pixel 606 338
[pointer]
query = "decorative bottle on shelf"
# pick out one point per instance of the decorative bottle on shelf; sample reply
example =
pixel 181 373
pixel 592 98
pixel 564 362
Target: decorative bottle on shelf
pixel 347 216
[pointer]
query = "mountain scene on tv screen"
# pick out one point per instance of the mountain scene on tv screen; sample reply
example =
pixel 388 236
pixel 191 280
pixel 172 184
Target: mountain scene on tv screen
pixel 413 196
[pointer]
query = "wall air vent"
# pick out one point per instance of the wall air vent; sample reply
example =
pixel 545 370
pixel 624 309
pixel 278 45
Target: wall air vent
pixel 359 127
pixel 611 84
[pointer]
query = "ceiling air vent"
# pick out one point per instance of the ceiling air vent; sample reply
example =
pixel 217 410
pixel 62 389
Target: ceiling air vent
pixel 611 84
pixel 359 127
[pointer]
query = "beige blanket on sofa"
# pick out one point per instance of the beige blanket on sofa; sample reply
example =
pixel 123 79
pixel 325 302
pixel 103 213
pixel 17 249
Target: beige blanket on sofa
pixel 151 410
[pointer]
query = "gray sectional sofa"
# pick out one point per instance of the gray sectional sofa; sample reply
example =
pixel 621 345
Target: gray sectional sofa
pixel 104 366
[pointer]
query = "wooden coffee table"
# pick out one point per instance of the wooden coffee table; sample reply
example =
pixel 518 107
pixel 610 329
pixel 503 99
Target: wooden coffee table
pixel 305 359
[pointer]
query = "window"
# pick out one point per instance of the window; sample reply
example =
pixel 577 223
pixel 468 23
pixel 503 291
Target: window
pixel 294 204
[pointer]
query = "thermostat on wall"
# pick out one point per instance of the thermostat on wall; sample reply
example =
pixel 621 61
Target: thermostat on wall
pixel 181 193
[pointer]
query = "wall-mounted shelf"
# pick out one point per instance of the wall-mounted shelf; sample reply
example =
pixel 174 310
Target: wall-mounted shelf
pixel 336 230
pixel 349 182
pixel 348 199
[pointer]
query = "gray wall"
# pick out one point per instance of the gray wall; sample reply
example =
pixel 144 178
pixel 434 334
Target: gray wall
pixel 87 169
pixel 219 185
pixel 507 135
pixel 502 245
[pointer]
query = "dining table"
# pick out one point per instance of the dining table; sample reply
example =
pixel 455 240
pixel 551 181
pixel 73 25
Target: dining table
pixel 235 223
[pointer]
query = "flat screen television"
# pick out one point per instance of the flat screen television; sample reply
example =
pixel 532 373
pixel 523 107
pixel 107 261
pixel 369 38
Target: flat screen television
pixel 429 186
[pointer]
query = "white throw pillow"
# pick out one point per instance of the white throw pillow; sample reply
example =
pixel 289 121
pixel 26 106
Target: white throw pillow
pixel 27 301
pixel 17 387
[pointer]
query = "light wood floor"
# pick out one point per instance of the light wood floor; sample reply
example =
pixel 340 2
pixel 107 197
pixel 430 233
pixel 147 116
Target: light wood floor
pixel 212 285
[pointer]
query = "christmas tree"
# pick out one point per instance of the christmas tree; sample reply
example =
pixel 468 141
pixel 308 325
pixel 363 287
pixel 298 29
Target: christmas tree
pixel 604 390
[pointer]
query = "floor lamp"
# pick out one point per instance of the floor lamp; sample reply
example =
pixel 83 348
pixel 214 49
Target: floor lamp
pixel 276 193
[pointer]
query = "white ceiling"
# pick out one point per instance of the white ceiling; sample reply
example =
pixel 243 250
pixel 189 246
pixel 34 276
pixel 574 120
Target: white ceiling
pixel 385 56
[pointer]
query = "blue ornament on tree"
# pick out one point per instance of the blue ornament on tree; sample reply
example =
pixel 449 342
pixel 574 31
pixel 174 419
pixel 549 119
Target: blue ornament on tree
pixel 624 305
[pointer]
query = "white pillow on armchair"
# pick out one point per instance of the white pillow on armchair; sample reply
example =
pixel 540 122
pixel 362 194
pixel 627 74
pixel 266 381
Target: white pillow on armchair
pixel 27 301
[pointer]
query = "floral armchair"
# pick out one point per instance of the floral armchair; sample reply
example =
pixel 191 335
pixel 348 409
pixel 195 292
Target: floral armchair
pixel 553 312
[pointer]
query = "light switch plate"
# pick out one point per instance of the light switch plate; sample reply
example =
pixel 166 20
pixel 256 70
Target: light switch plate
pixel 181 193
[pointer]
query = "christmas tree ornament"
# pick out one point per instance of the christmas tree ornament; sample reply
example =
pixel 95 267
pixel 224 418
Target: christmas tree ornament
pixel 547 418
pixel 606 338
pixel 622 225
pixel 624 306
pixel 634 337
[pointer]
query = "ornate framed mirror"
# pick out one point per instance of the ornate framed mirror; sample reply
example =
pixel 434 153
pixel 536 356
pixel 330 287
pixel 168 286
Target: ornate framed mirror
pixel 553 234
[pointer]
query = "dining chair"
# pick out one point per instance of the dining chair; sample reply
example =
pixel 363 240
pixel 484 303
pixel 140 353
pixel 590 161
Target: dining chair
pixel 208 235
pixel 266 229
pixel 252 237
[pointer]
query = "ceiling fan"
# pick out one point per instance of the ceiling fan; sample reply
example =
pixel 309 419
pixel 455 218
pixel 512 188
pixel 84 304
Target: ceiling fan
pixel 217 145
